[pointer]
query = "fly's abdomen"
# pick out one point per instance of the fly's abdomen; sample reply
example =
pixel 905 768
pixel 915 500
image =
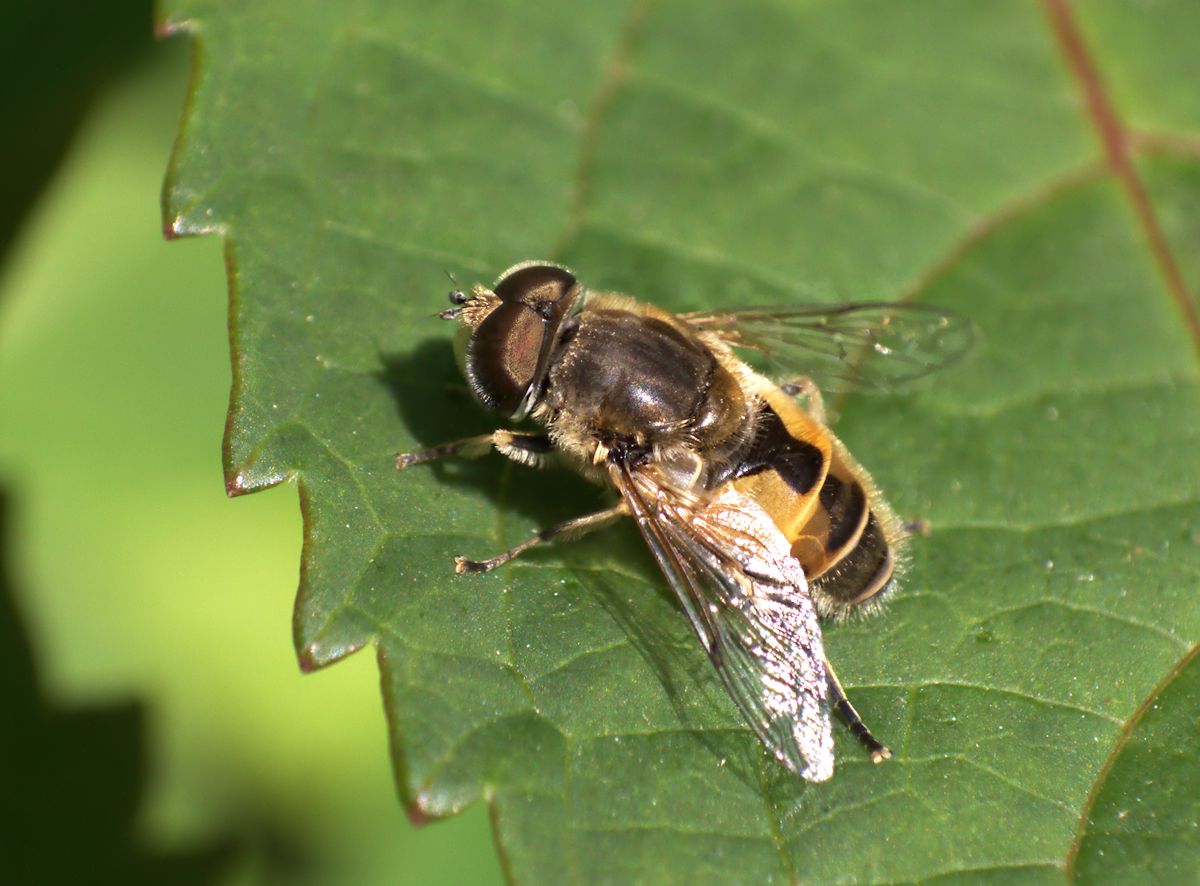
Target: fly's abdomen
pixel 847 547
pixel 841 531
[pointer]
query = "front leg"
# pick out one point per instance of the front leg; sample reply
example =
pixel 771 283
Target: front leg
pixel 528 449
pixel 523 448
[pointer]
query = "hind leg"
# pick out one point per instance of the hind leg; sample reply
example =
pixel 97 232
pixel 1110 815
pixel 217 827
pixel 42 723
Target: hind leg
pixel 837 697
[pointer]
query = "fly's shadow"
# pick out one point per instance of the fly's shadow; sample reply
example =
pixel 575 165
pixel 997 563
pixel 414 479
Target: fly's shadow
pixel 658 630
pixel 435 406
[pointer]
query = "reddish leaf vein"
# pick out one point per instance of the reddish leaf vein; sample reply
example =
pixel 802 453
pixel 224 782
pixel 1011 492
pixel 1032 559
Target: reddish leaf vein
pixel 1115 139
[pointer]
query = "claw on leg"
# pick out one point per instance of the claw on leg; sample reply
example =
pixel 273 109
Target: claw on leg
pixel 469 447
pixel 527 449
pixel 462 565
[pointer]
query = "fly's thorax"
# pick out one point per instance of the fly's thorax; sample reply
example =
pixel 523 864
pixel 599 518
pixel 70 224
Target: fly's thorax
pixel 628 374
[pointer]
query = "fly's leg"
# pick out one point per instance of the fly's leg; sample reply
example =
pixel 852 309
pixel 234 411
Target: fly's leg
pixel 576 527
pixel 526 449
pixel 471 447
pixel 805 387
pixel 853 721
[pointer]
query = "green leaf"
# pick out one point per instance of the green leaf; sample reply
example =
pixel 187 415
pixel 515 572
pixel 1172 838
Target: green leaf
pixel 1033 166
pixel 1143 819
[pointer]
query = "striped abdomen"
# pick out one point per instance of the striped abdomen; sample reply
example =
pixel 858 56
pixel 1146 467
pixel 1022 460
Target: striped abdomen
pixel 842 533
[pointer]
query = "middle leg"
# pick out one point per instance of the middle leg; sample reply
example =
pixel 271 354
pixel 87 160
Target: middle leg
pixel 576 527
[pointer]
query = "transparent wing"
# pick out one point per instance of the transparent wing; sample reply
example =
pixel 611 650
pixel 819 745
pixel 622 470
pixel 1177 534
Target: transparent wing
pixel 748 602
pixel 874 346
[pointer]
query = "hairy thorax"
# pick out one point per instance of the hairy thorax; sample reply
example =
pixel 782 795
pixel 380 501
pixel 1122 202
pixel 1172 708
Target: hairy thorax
pixel 630 379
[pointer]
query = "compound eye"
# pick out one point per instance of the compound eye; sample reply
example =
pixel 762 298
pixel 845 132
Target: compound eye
pixel 458 297
pixel 547 289
pixel 504 354
pixel 508 354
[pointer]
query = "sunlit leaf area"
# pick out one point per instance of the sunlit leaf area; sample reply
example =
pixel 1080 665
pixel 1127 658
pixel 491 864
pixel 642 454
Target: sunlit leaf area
pixel 293 686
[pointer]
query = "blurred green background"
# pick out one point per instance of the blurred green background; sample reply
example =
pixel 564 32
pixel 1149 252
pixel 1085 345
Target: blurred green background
pixel 135 580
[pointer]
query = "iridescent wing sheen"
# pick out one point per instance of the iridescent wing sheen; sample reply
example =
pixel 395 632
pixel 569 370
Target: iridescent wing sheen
pixel 747 599
pixel 872 346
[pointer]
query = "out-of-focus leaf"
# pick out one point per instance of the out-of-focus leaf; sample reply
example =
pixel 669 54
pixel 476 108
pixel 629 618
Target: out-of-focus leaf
pixel 77 773
pixel 136 578
pixel 54 60
pixel 987 157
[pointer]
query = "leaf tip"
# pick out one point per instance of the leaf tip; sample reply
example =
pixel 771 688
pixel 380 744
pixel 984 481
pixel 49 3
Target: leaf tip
pixel 238 483
pixel 178 226
pixel 417 816
pixel 234 487
pixel 173 228
pixel 317 654
pixel 166 26
pixel 309 659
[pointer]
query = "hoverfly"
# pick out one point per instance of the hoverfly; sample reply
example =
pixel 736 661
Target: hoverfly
pixel 758 516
